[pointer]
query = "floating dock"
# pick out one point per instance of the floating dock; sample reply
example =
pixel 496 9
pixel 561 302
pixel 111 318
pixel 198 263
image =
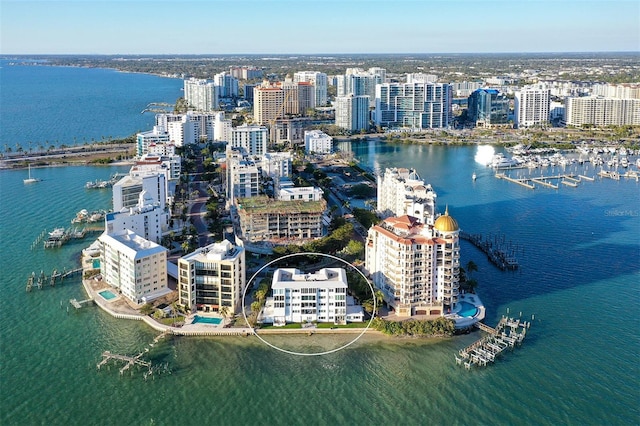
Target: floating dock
pixel 547 181
pixel 506 335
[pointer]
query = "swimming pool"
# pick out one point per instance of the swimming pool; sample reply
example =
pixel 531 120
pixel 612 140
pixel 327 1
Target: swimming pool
pixel 467 309
pixel 206 320
pixel 107 294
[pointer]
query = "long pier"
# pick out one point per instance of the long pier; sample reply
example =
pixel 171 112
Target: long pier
pixel 506 335
pixel 498 255
pixel 547 181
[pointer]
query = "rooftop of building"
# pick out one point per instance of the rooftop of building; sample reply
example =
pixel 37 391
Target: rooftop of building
pixel 324 278
pixel 134 244
pixel 217 251
pixel 264 204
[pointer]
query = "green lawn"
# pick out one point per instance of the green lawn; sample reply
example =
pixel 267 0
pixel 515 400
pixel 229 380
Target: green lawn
pixel 348 325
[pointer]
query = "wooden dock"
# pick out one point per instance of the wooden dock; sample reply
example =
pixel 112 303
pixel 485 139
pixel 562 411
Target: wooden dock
pixel 130 361
pixel 78 304
pixel 506 335
pixel 501 256
pixel 40 281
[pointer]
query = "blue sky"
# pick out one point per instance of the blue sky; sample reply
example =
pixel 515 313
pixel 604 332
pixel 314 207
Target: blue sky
pixel 315 27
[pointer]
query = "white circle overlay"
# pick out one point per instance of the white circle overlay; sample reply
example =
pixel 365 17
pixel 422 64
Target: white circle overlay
pixel 244 294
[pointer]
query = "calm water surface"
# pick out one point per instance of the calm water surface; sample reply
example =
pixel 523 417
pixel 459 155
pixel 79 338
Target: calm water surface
pixel 579 250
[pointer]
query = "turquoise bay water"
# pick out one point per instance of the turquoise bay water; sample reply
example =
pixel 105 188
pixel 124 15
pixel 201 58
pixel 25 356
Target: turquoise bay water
pixel 579 251
pixel 45 105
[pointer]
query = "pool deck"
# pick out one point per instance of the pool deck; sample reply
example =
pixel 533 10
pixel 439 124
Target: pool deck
pixel 119 307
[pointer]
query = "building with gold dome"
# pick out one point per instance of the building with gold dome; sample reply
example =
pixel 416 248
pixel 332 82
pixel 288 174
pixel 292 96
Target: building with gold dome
pixel 416 266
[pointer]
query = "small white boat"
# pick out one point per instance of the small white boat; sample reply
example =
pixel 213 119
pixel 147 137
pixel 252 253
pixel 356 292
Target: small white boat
pixel 30 179
pixel 473 176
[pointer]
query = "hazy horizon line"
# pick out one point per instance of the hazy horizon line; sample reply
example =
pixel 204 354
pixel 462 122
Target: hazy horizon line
pixel 330 54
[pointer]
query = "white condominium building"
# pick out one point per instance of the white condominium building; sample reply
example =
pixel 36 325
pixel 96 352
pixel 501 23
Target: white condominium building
pixel 222 128
pixel 352 112
pixel 276 164
pixel 147 219
pixel 243 175
pixel 532 107
pixel 318 142
pixel 402 192
pixel 191 127
pixel 300 297
pixel 135 266
pixel 602 112
pixel 413 105
pixel 126 192
pixel 415 266
pixel 227 85
pixel 286 191
pixel 252 139
pixel 212 277
pixel 618 91
pixel 202 95
pixel 157 136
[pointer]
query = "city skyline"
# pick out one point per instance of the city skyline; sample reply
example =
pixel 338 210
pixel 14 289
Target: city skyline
pixel 317 27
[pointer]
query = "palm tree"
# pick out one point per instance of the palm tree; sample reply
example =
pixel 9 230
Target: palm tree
pixel 471 267
pixel 224 311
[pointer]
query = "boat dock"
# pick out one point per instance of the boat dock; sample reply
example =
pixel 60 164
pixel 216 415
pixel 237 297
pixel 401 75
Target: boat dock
pixel 547 181
pixel 501 256
pixel 102 184
pixel 43 280
pixel 60 236
pixel 506 335
pixel 522 182
pixel 78 304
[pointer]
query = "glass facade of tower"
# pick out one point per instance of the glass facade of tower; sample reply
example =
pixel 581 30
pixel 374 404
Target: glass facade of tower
pixel 413 105
pixel 488 107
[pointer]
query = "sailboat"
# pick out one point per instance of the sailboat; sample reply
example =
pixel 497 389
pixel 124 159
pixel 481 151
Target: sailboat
pixel 30 179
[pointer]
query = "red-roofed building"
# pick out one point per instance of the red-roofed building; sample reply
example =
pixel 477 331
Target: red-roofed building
pixel 416 266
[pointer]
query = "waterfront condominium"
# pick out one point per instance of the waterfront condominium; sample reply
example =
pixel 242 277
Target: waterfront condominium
pixel 158 135
pixel 415 266
pixel 202 95
pixel 318 142
pixel 402 192
pixel 601 112
pixel 532 107
pixel 135 266
pixel 352 112
pixel 212 277
pixel 306 297
pixel 415 105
